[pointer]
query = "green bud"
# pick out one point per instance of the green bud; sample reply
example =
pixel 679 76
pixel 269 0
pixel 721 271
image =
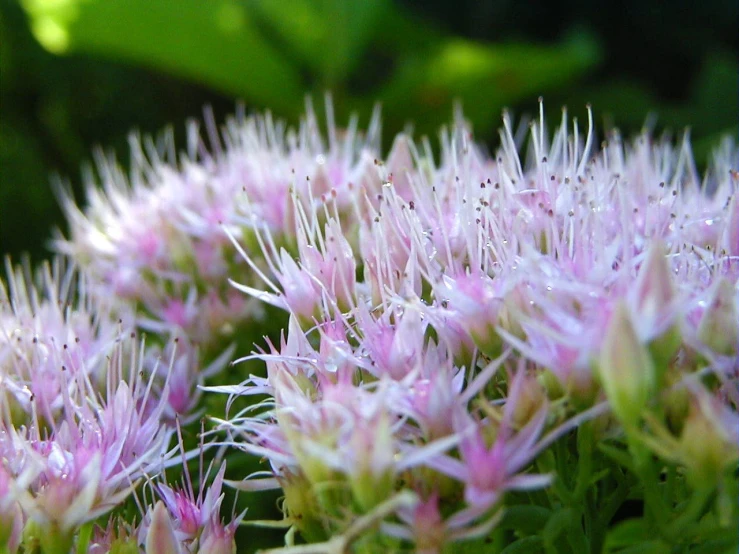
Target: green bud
pixel 49 538
pixel 707 447
pixel 301 505
pixel 124 546
pixel 372 479
pixel 627 372
pixel 719 326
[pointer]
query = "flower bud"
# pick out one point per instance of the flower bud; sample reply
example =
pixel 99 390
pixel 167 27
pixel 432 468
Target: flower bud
pixel 217 540
pixel 475 300
pixel 655 290
pixel 428 525
pixel 730 239
pixel 708 441
pixel 161 537
pixel 301 506
pixel 654 299
pixel 626 370
pixel 399 163
pixel 371 477
pixel 11 525
pixel 124 546
pixel 719 326
pixel 525 401
pixel 47 536
pixel 676 401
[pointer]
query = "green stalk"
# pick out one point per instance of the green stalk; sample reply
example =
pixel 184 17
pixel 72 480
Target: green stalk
pixel 690 515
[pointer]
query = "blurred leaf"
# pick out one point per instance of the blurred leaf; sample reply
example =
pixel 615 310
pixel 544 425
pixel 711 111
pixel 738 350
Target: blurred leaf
pixel 216 42
pixel 714 96
pixel 708 112
pixel 634 536
pixel 627 533
pixel 526 545
pixel 6 60
pixel 483 77
pixel 257 49
pixel 25 209
pixel 526 518
pixel 327 36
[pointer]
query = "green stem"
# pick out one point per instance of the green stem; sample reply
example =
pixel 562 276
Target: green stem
pixel 670 484
pixel 606 513
pixel 690 515
pixel 585 461
pixel 576 537
pixel 83 538
pixel 654 506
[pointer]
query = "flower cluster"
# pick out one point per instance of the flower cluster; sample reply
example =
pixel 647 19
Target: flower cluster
pixel 492 349
pixel 155 238
pixel 499 305
pixel 86 410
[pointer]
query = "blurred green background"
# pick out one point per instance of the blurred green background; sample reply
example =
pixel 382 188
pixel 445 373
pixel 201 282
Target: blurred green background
pixel 79 73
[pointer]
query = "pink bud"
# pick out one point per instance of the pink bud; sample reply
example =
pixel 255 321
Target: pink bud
pixel 161 536
pixel 399 164
pixel 217 540
pixel 730 239
pixel 719 326
pixel 654 293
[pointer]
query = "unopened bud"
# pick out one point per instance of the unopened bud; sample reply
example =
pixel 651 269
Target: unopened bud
pixel 124 546
pixel 708 442
pixel 655 290
pixel 654 300
pixel 372 479
pixel 11 525
pixel 161 538
pixel 626 370
pixel 46 536
pixel 301 505
pixel 719 326
pixel 217 540
pixel 730 239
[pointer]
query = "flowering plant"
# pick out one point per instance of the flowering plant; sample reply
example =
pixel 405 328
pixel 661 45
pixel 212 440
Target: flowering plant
pixel 512 353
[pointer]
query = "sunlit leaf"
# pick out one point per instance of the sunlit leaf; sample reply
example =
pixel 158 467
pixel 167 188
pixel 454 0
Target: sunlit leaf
pixel 483 77
pixel 216 43
pixel 326 36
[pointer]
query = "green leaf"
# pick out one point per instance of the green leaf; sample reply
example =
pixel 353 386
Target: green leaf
pixel 526 545
pixel 483 77
pixel 723 545
pixel 618 455
pixel 527 519
pixel 627 534
pixel 629 104
pixel 649 547
pixel 557 524
pixel 327 36
pixel 229 54
pixel 83 537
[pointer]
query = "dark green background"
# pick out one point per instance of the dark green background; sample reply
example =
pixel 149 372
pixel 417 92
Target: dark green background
pixel 675 59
